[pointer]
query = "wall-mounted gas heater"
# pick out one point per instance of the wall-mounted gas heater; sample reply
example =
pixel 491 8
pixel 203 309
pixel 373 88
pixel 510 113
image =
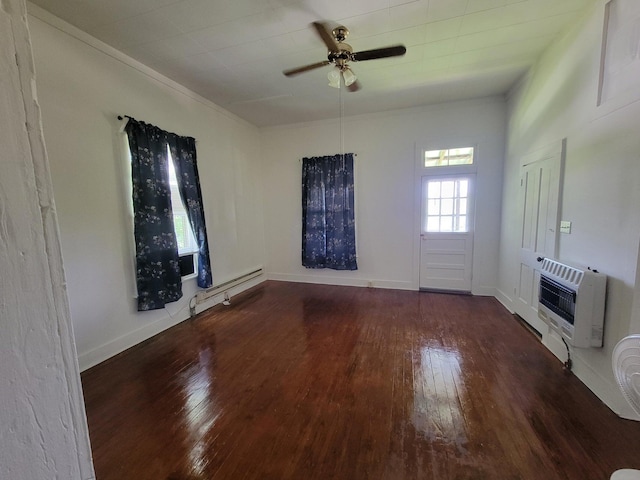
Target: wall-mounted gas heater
pixel 571 301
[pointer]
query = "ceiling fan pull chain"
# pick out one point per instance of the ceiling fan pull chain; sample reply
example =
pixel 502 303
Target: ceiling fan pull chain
pixel 341 128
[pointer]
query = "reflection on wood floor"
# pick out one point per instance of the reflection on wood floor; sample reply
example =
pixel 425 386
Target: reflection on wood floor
pixel 299 381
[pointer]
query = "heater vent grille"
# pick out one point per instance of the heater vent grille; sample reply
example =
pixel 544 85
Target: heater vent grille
pixel 564 274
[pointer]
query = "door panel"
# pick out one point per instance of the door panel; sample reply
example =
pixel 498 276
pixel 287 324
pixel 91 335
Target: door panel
pixel 446 256
pixel 539 205
pixel 445 261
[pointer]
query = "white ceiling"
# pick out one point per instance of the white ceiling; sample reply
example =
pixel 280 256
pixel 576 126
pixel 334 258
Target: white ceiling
pixel 233 51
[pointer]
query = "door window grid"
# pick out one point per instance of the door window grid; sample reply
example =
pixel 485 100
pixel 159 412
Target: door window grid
pixel 447 205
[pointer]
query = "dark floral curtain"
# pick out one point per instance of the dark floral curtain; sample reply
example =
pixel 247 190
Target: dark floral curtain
pixel 157 268
pixel 183 153
pixel 328 219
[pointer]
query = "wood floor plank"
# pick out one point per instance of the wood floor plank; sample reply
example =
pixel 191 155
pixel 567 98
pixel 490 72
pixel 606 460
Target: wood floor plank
pixel 298 381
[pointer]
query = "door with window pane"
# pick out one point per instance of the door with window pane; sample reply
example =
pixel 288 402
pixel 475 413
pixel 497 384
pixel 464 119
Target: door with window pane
pixel 446 241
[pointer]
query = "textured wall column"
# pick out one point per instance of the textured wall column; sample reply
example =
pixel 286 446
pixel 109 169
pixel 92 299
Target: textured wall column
pixel 43 431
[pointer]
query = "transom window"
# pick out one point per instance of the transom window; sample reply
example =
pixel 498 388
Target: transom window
pixel 448 157
pixel 447 205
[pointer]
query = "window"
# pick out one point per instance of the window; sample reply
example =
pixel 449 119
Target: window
pixel 449 157
pixel 447 205
pixel 184 234
pixel 328 217
pixel 160 235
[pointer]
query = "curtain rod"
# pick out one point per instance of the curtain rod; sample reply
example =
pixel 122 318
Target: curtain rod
pixel 124 124
pixel 354 154
pixel 127 118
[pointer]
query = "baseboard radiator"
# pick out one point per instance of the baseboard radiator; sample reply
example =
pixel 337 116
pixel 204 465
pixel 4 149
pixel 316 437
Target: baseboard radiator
pixel 571 301
pixel 225 286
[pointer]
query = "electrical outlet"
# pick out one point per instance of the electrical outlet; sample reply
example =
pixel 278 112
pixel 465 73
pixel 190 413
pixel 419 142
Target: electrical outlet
pixel 565 226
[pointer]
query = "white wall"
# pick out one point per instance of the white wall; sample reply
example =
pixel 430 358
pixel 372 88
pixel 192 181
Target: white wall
pixel 43 429
pixel 601 191
pixel 387 193
pixel 84 85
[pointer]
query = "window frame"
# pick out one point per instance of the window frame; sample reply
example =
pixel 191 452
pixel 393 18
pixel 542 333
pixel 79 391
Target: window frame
pixel 469 198
pixel 174 194
pixel 194 254
pixel 446 169
pixel 180 211
pixel 437 167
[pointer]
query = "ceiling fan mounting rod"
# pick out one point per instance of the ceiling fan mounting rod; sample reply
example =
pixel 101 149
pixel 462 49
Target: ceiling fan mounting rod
pixel 340 33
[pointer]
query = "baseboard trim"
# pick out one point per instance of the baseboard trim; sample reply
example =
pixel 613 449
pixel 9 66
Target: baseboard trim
pixel 505 300
pixel 343 281
pixel 483 291
pixel 118 345
pixel 445 290
pixel 604 388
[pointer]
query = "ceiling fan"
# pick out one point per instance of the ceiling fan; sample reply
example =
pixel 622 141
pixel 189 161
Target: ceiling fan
pixel 340 54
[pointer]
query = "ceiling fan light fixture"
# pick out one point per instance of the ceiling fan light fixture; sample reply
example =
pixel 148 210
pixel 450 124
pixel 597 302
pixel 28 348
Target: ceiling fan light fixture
pixel 349 76
pixel 334 78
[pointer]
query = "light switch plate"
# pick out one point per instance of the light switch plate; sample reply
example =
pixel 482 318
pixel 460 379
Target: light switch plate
pixel 565 226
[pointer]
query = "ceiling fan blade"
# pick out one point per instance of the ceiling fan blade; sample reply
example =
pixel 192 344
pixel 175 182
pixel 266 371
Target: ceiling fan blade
pixel 306 68
pixel 354 87
pixel 326 36
pixel 395 51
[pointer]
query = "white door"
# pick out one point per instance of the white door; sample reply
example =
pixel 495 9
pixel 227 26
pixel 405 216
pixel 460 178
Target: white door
pixel 539 203
pixel 446 240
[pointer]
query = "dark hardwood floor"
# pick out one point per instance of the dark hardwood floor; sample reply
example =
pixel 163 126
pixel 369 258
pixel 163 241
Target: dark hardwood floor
pixel 298 381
